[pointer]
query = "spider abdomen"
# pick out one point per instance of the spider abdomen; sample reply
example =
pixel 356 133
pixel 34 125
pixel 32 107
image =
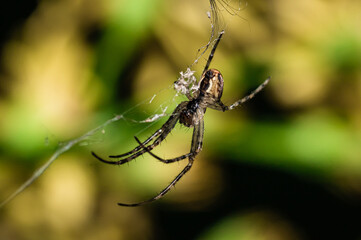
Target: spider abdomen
pixel 211 84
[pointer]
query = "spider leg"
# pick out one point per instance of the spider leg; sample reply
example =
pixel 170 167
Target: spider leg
pixel 156 134
pixel 197 141
pixel 165 190
pixel 162 133
pixel 251 95
pixel 121 161
pixel 172 160
pixel 221 107
pixel 212 52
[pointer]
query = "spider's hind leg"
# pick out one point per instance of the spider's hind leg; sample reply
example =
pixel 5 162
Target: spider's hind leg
pixel 218 105
pixel 250 96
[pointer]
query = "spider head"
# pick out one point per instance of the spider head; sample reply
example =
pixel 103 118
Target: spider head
pixel 211 84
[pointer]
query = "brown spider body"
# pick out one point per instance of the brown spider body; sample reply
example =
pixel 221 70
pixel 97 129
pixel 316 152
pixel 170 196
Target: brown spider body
pixel 190 114
pixel 211 86
pixel 209 92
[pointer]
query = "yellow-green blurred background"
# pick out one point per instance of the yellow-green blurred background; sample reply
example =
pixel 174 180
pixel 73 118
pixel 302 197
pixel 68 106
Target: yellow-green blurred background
pixel 285 166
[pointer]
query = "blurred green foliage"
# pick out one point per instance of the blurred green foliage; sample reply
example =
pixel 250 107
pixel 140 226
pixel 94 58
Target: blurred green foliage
pixel 57 85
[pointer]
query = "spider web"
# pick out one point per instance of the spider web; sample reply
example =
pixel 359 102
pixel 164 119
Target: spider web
pixel 185 85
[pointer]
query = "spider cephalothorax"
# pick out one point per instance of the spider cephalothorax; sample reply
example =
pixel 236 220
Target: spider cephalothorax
pixel 190 114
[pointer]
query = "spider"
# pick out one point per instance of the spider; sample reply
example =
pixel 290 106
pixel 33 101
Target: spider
pixel 190 114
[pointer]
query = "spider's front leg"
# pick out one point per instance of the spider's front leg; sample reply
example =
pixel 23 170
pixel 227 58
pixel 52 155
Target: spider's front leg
pixel 160 135
pixel 197 142
pixel 134 153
